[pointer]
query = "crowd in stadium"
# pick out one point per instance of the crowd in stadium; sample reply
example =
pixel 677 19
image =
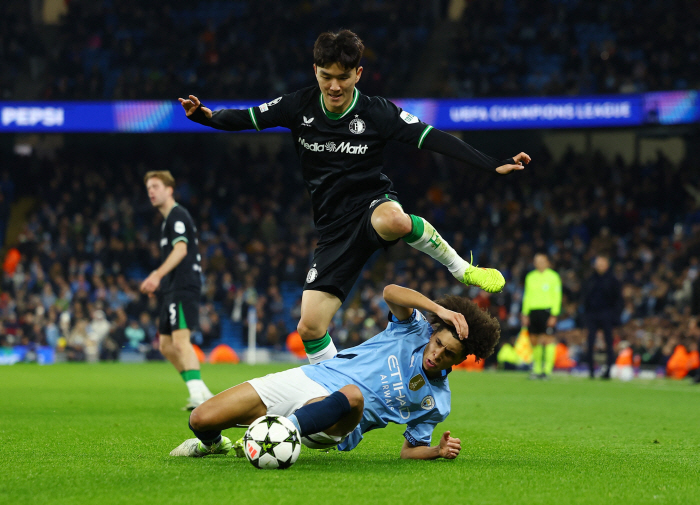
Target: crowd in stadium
pixel 573 47
pixel 92 236
pixel 92 239
pixel 125 49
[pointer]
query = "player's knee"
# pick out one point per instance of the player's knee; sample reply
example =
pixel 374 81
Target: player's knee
pixel 308 331
pixel 180 345
pixel 165 347
pixel 392 221
pixel 200 419
pixel 354 396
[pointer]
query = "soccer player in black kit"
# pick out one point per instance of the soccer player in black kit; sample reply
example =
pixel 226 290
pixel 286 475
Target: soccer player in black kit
pixel 340 135
pixel 180 282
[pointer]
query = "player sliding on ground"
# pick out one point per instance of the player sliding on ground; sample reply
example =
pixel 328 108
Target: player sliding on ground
pixel 399 376
pixel 340 135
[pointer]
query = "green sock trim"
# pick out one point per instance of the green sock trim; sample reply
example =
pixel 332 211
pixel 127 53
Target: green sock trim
pixel 189 375
pixel 317 345
pixel 417 228
pixel 549 355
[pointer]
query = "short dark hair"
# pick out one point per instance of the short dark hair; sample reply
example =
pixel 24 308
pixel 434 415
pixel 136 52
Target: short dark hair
pixel 343 47
pixel 484 329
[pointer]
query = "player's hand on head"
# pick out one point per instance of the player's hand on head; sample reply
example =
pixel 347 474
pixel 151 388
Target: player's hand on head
pixel 455 319
pixel 521 160
pixel 190 105
pixel 449 447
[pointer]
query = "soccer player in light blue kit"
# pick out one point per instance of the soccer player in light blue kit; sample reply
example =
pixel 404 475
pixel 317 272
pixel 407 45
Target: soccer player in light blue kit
pixel 398 376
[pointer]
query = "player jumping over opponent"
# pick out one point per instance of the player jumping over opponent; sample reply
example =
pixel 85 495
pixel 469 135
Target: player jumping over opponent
pixel 180 283
pixel 399 376
pixel 340 135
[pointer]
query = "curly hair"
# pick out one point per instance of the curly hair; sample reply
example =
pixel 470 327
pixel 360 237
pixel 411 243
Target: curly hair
pixel 484 329
pixel 343 47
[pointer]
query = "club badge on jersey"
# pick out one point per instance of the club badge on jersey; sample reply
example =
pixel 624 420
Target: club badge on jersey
pixel 357 125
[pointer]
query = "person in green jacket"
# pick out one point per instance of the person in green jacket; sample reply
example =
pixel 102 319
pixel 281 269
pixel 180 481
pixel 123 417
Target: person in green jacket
pixel 541 306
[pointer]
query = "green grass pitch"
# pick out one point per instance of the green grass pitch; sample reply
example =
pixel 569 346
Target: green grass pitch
pixel 74 433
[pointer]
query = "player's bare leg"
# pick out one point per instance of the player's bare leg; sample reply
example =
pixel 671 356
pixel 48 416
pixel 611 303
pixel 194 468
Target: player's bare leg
pixel 238 405
pixel 317 311
pixel 391 222
pixel 178 349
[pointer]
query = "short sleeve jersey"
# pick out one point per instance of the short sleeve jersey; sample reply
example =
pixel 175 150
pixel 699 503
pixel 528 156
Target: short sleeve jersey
pixel 388 369
pixel 340 154
pixel 186 276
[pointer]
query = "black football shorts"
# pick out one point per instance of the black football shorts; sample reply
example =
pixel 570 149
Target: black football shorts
pixel 179 311
pixel 342 253
pixel 538 321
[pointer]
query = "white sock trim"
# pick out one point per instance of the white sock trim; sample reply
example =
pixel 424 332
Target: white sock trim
pixel 329 352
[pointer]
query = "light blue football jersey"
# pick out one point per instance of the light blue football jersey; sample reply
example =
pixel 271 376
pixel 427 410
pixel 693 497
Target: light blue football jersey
pixel 388 369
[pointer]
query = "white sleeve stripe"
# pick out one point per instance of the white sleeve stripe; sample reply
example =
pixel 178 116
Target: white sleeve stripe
pixel 423 135
pixel 252 118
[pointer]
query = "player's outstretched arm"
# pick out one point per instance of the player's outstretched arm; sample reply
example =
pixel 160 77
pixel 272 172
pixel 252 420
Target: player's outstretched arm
pixel 226 119
pixel 448 448
pixel 449 145
pixel 402 301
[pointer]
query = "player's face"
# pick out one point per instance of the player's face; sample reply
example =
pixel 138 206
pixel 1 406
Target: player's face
pixel 337 85
pixel 442 352
pixel 541 262
pixel 158 192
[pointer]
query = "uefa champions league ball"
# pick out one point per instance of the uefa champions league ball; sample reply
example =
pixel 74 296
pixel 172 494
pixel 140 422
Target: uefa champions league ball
pixel 272 442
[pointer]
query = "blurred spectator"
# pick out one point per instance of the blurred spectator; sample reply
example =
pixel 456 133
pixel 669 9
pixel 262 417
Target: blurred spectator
pixel 602 304
pixel 135 335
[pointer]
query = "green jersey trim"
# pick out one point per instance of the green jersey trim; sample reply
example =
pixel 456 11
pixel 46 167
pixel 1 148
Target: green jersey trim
pixel 179 239
pixel 423 135
pixel 252 118
pixel 341 115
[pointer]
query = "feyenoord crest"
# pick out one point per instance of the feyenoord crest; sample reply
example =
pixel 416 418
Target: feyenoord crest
pixel 428 403
pixel 357 125
pixel 311 276
pixel 416 382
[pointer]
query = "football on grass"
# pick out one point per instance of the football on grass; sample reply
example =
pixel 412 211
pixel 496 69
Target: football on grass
pixel 272 442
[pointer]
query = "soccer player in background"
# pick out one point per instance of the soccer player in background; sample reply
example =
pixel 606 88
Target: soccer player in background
pixel 180 282
pixel 541 306
pixel 399 376
pixel 340 135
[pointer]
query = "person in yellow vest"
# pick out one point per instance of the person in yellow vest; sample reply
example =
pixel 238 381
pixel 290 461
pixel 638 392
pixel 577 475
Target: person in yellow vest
pixel 541 306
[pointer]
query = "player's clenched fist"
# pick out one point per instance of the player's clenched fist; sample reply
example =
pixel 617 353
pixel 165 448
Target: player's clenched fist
pixel 449 447
pixel 190 105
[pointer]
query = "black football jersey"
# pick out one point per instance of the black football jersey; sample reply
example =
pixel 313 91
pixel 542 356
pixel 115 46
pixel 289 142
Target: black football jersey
pixel 340 154
pixel 186 276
